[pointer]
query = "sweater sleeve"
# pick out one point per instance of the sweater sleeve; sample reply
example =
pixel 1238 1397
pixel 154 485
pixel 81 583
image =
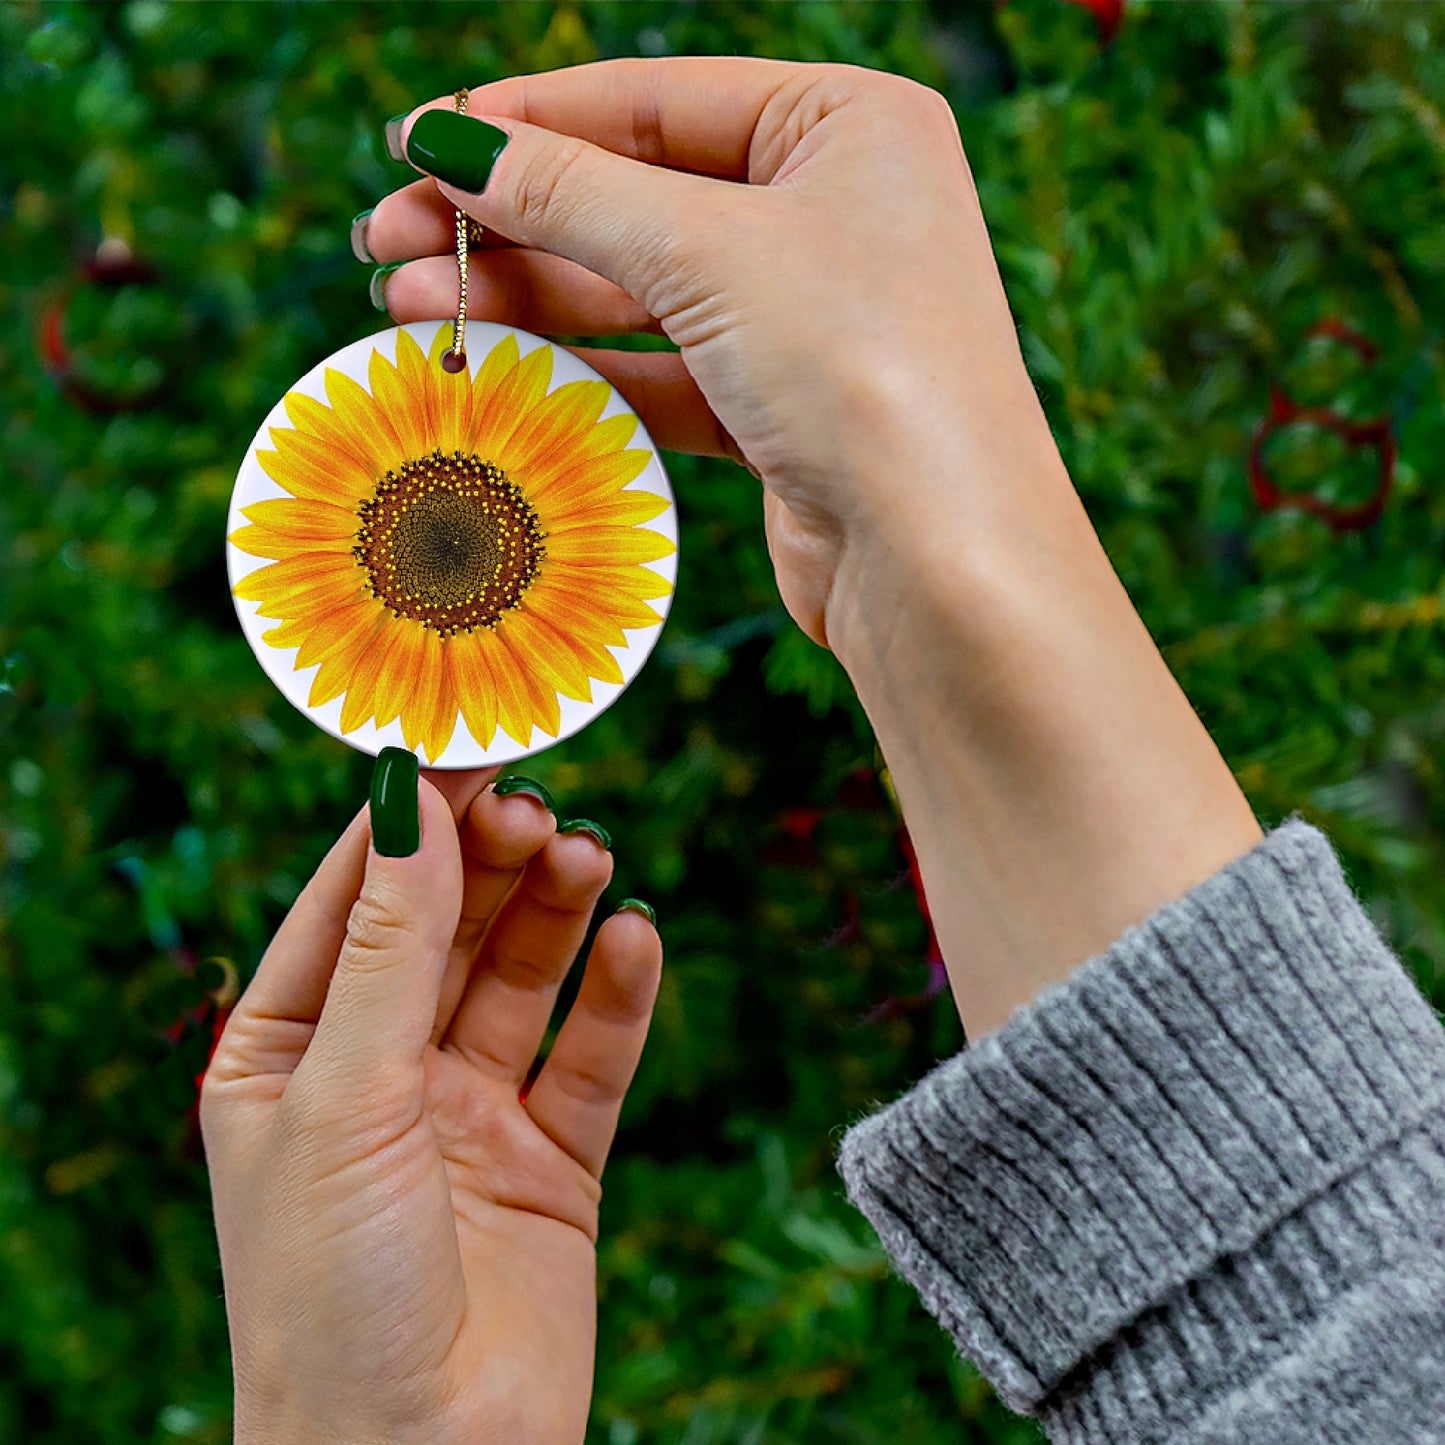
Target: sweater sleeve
pixel 1196 1192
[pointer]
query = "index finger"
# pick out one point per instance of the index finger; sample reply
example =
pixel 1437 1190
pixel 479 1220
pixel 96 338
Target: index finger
pixel 686 112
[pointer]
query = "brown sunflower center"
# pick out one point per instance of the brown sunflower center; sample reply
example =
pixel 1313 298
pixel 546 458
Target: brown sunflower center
pixel 449 541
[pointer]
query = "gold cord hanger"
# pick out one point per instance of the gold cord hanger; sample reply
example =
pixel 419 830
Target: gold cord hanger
pixel 469 233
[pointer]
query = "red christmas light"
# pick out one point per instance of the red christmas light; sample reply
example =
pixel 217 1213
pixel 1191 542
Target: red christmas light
pixel 1375 432
pixel 1108 13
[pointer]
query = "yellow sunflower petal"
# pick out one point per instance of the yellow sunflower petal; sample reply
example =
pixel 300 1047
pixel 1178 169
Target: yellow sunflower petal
pixel 620 611
pixel 402 665
pixel 580 546
pixel 500 361
pixel 338 634
pixel 310 468
pixel 441 343
pixel 330 681
pixel 339 653
pixel 623 610
pixel 593 477
pixel 400 393
pixel 280 578
pixel 444 720
pixel 599 662
pixel 476 691
pixel 429 713
pixel 444 715
pixel 619 509
pixel 549 651
pixel 514 707
pixel 450 396
pixel 576 615
pixel 259 542
pixel 306 602
pixel 283 526
pixel 346 431
pixel 298 623
pixel 543 710
pixel 553 425
pixel 639 583
pixel 521 389
pixel 297 573
pixel 546 710
pixel 571 634
pixel 360 702
pixel 366 429
pixel 292 518
pixel 604 439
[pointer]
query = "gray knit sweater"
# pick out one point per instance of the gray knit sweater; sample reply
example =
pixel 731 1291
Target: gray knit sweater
pixel 1196 1193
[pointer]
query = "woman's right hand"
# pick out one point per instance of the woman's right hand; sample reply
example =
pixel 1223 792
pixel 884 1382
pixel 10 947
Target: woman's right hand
pixel 840 317
pixel 843 331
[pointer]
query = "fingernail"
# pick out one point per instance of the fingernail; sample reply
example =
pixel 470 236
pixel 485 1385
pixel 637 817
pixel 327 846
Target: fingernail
pixel 359 248
pixel 377 288
pixel 455 148
pixel 505 787
pixel 395 811
pixel 392 131
pixel 636 905
pixel 586 825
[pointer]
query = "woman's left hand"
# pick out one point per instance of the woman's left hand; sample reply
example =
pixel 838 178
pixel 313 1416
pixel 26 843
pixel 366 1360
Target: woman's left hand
pixel 407 1234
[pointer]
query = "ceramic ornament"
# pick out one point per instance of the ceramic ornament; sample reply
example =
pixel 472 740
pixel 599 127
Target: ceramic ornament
pixel 466 554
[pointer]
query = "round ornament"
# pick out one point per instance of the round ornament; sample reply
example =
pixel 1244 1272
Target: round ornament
pixel 470 563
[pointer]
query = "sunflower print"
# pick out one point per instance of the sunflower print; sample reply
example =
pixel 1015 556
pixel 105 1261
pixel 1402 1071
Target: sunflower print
pixel 454 547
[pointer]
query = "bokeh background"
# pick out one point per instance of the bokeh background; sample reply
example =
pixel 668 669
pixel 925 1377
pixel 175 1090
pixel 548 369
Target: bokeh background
pixel 1222 229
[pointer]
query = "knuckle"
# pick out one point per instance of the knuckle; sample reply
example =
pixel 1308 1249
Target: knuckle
pixel 585 1085
pixel 333 1102
pixel 547 180
pixel 211 1108
pixel 305 1113
pixel 930 106
pixel 524 971
pixel 934 105
pixel 648 139
pixel 908 100
pixel 375 930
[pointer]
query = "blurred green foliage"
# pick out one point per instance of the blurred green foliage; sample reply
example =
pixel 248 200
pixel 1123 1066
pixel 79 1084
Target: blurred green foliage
pixel 1172 213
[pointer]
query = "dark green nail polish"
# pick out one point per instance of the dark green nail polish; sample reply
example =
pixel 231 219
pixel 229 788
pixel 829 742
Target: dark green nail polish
pixel 392 132
pixel 586 825
pixel 395 812
pixel 454 148
pixel 504 787
pixel 359 248
pixel 378 283
pixel 636 905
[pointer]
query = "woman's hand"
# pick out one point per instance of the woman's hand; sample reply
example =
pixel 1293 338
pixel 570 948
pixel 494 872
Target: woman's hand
pixel 810 237
pixel 840 318
pixel 407 1245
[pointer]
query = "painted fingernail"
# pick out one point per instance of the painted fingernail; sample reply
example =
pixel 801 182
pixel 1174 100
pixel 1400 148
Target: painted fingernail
pixel 392 131
pixel 636 905
pixel 378 283
pixel 395 811
pixel 505 787
pixel 359 248
pixel 586 825
pixel 455 148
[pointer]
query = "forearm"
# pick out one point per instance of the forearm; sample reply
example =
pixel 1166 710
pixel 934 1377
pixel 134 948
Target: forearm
pixel 1056 782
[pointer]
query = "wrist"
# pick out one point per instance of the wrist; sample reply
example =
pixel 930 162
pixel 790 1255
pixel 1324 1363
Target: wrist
pixel 1056 782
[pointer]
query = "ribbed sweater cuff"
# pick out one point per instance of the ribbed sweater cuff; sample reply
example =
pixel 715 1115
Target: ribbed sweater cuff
pixel 1190 1125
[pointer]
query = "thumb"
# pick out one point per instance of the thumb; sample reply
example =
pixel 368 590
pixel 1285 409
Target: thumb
pixel 382 999
pixel 621 218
